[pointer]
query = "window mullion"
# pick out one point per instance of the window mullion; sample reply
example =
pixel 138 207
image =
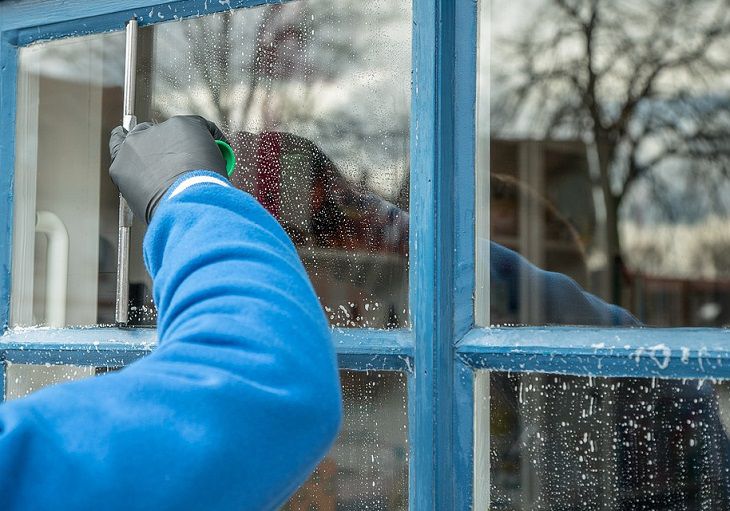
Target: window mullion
pixel 8 87
pixel 356 349
pixel 433 470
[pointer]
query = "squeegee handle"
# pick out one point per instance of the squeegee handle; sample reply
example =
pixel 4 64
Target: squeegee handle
pixel 129 121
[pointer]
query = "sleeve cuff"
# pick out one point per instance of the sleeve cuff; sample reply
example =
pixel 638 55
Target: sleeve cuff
pixel 194 179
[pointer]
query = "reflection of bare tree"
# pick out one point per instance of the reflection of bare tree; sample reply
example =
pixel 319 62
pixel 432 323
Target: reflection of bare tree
pixel 236 61
pixel 307 68
pixel 641 79
pixel 271 58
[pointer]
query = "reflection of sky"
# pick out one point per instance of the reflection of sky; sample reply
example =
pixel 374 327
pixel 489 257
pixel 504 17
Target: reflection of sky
pixel 509 22
pixel 342 80
pixel 347 87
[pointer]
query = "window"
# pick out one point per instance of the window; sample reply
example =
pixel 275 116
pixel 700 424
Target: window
pixel 602 191
pixel 318 117
pixel 520 390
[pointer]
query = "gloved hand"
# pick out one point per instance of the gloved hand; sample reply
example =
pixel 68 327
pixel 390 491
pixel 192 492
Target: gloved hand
pixel 147 160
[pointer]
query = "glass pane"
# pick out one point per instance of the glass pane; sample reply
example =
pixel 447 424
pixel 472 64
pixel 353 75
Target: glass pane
pixel 315 98
pixel 366 469
pixel 65 234
pixel 603 136
pixel 564 442
pixel 23 379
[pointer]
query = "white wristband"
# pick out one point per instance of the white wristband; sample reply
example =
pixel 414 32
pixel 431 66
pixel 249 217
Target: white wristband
pixel 196 180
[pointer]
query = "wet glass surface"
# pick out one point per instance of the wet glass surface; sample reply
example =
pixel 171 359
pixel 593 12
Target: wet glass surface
pixel 315 99
pixel 24 379
pixel 603 133
pixel 366 469
pixel 579 443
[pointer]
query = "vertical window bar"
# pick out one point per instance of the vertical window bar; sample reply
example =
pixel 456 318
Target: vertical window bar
pixel 469 421
pixel 432 256
pixel 24 185
pixel 482 169
pixel 3 366
pixel 8 72
pixel 125 214
pixel 480 434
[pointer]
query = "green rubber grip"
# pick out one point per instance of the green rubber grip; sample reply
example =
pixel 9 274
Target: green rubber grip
pixel 228 155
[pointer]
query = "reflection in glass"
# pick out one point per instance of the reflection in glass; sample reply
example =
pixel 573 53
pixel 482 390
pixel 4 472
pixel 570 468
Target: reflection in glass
pixel 607 138
pixel 315 98
pixel 366 469
pixel 563 442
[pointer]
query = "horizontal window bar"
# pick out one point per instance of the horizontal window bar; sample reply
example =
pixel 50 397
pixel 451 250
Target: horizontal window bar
pixel 101 347
pixel 357 349
pixel 370 349
pixel 24 13
pixel 641 352
pixel 43 20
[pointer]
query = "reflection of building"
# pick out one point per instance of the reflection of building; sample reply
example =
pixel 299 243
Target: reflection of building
pixel 680 302
pixel 679 273
pixel 543 207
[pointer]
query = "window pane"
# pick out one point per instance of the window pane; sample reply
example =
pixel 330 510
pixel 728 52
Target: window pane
pixel 607 443
pixel 603 136
pixel 23 379
pixel 366 469
pixel 315 99
pixel 64 237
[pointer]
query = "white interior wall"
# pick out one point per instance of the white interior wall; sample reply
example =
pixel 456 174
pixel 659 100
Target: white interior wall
pixel 68 178
pixel 57 171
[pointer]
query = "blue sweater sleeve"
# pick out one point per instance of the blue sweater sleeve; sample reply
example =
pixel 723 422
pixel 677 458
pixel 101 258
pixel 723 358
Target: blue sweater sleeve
pixel 233 409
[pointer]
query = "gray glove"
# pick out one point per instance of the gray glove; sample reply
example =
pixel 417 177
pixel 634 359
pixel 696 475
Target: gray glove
pixel 147 160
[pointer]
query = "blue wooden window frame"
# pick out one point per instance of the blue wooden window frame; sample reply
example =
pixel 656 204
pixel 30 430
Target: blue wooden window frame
pixel 443 349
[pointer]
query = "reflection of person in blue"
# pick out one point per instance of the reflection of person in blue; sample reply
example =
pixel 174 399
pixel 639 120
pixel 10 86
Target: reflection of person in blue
pixel 661 444
pixel 307 193
pixel 562 301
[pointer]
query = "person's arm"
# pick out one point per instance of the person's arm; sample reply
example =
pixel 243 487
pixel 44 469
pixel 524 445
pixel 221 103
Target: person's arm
pixel 562 301
pixel 234 408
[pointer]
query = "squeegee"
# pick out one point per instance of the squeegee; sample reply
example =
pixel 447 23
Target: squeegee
pixel 129 121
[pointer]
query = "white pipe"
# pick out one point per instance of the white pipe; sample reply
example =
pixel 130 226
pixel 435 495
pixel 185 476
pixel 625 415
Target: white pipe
pixel 56 266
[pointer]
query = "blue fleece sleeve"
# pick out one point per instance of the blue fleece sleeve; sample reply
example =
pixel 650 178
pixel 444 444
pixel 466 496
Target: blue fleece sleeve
pixel 233 409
